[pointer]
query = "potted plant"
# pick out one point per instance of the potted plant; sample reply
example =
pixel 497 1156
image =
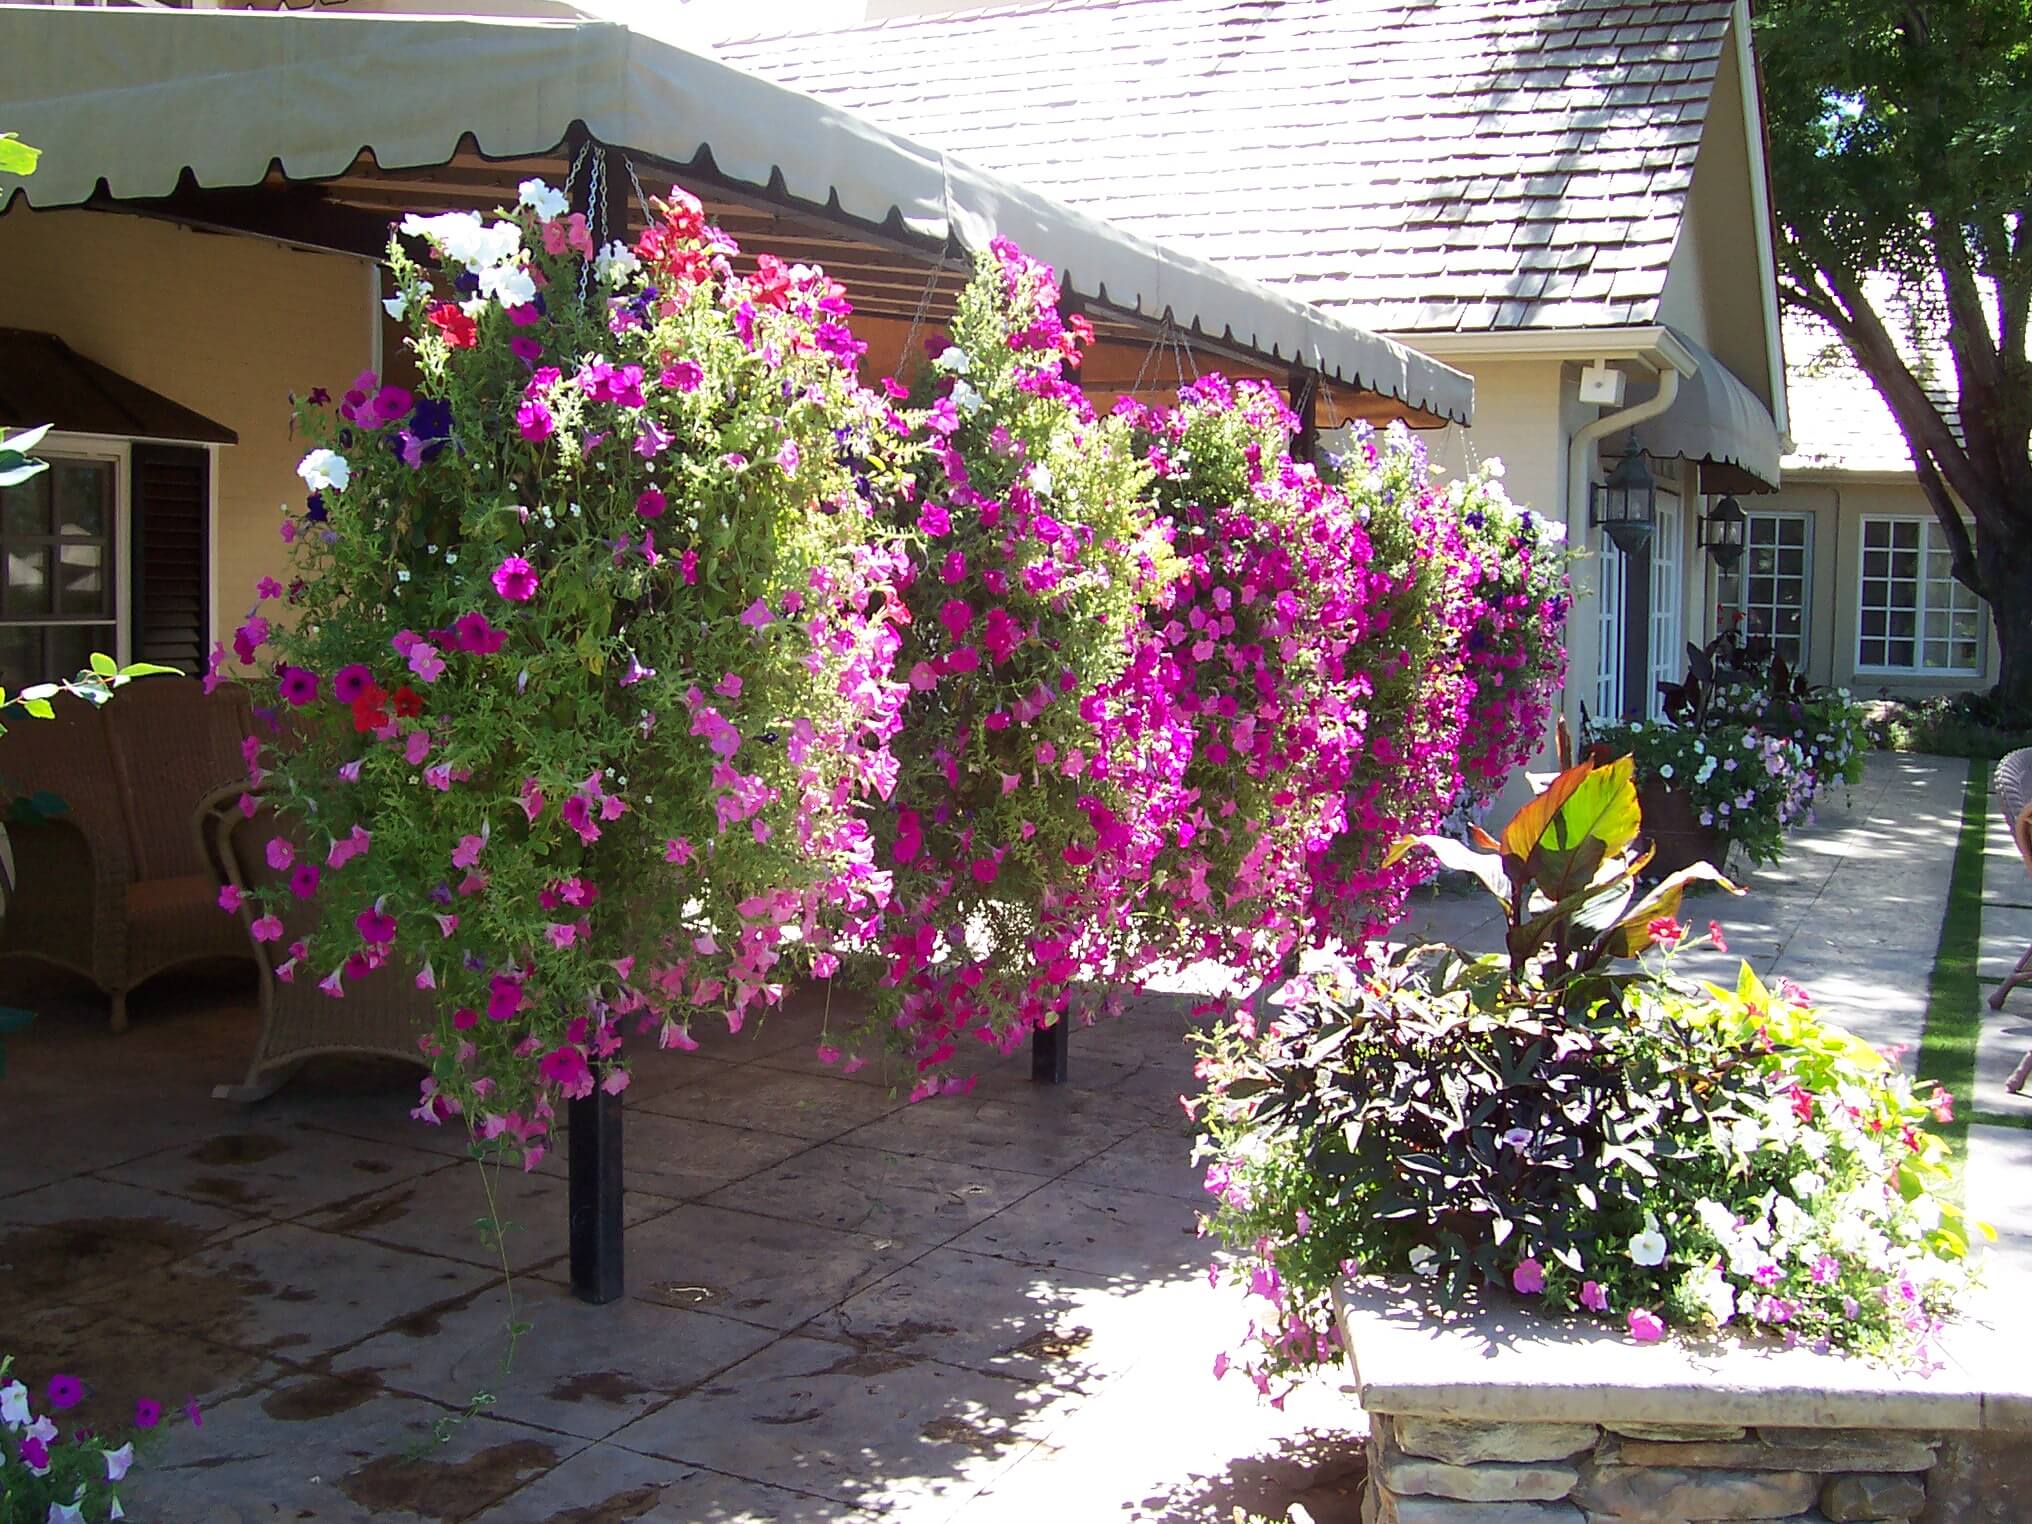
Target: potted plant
pixel 1577 1124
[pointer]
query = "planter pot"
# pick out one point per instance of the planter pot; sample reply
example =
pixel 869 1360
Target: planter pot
pixel 1672 825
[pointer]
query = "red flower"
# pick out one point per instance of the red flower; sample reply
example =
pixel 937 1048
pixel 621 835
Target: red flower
pixel 449 319
pixel 408 702
pixel 368 713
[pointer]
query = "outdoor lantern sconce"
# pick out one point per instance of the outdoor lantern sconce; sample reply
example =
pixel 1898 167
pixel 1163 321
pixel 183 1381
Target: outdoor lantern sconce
pixel 1722 533
pixel 1625 504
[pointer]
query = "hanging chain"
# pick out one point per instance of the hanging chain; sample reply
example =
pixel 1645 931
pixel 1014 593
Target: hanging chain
pixel 641 200
pixel 924 299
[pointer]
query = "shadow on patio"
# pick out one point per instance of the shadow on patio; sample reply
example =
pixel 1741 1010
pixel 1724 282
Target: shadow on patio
pixel 839 1307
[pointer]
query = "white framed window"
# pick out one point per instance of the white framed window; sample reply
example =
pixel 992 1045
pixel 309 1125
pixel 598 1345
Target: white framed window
pixel 1615 573
pixel 63 563
pixel 1668 658
pixel 1774 582
pixel 1912 616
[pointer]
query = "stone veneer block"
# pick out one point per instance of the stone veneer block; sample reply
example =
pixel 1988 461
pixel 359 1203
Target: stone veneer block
pixel 1469 1444
pixel 1676 1430
pixel 1499 1360
pixel 1396 1510
pixel 1872 1497
pixel 1489 1482
pixel 1654 1494
pixel 1879 1452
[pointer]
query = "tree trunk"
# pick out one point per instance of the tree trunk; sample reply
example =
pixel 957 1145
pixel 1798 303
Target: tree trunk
pixel 2007 575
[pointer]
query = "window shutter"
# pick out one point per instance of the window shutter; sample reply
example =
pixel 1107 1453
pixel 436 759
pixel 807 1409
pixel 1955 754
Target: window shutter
pixel 169 609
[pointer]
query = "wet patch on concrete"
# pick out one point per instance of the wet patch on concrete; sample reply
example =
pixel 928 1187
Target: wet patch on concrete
pixel 1053 1344
pixel 225 1190
pixel 372 1213
pixel 621 1508
pixel 963 1431
pixel 52 1260
pixel 443 1490
pixel 238 1148
pixel 321 1396
pixel 867 1362
pixel 599 1386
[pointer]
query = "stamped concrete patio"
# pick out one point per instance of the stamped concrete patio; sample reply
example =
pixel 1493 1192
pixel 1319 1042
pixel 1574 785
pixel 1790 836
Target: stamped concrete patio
pixel 840 1308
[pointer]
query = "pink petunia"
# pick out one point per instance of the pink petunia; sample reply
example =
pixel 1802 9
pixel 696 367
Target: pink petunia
pixel 477 635
pixel 280 853
pixel 267 929
pixel 1593 1297
pixel 1646 1327
pixel 682 376
pixel 1528 1278
pixel 375 925
pixel 467 852
pixel 535 422
pixel 756 615
pixel 230 898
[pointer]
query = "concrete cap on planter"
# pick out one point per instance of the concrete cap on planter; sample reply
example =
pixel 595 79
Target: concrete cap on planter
pixel 1499 1360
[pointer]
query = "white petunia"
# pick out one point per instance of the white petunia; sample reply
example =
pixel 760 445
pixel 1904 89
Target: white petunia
pixel 966 399
pixel 954 361
pixel 1648 1247
pixel 324 470
pixel 13 1405
pixel 1040 479
pixel 1806 1184
pixel 541 199
pixel 615 263
pixel 462 236
pixel 396 306
pixel 1717 1296
pixel 508 283
pixel 1745 1136
pixel 1665 770
pixel 117 1461
pixel 1425 1260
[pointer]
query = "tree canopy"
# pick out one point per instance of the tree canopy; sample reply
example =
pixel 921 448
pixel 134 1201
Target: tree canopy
pixel 1901 160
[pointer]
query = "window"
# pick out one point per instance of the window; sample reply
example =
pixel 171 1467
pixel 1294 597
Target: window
pixel 1609 644
pixel 59 546
pixel 1668 658
pixel 1772 590
pixel 1913 615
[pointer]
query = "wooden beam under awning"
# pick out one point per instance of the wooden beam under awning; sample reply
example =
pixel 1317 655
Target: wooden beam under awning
pixel 892 279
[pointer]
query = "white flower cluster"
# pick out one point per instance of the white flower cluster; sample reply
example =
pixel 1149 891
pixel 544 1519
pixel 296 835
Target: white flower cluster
pixel 492 253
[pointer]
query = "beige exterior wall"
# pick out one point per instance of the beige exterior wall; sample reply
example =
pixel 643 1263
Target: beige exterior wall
pixel 225 325
pixel 1836 505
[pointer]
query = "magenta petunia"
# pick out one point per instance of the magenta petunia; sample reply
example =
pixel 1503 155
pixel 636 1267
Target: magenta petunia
pixel 375 925
pixel 650 504
pixel 299 686
pixel 1646 1327
pixel 303 881
pixel 352 680
pixel 65 1392
pixel 1528 1278
pixel 515 580
pixel 535 422
pixel 956 616
pixel 476 635
pixel 147 1413
pixel 683 376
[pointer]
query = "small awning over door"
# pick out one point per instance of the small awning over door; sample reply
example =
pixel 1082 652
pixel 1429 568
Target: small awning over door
pixel 44 380
pixel 1720 425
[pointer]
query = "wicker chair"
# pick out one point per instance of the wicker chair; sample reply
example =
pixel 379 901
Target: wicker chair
pixel 2014 792
pixel 382 1015
pixel 111 886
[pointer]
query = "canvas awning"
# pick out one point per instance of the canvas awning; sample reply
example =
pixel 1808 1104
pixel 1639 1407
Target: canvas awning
pixel 183 111
pixel 1720 425
pixel 44 380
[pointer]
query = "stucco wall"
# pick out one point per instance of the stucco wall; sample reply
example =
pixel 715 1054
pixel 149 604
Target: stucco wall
pixel 229 326
pixel 1838 505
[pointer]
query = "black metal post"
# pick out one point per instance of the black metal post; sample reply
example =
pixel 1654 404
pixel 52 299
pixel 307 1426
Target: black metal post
pixel 1049 1049
pixel 594 1202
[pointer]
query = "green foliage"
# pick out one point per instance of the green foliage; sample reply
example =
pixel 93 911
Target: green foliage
pixel 1885 113
pixel 16 157
pixel 1615 1140
pixel 16 464
pixel 1950 725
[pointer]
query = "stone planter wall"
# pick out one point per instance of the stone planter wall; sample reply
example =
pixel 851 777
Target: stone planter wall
pixel 1426 1470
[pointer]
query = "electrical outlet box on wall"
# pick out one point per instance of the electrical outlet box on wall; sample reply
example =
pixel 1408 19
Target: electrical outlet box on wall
pixel 1603 384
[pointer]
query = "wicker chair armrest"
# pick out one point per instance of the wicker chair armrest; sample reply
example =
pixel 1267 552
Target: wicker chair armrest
pixel 212 825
